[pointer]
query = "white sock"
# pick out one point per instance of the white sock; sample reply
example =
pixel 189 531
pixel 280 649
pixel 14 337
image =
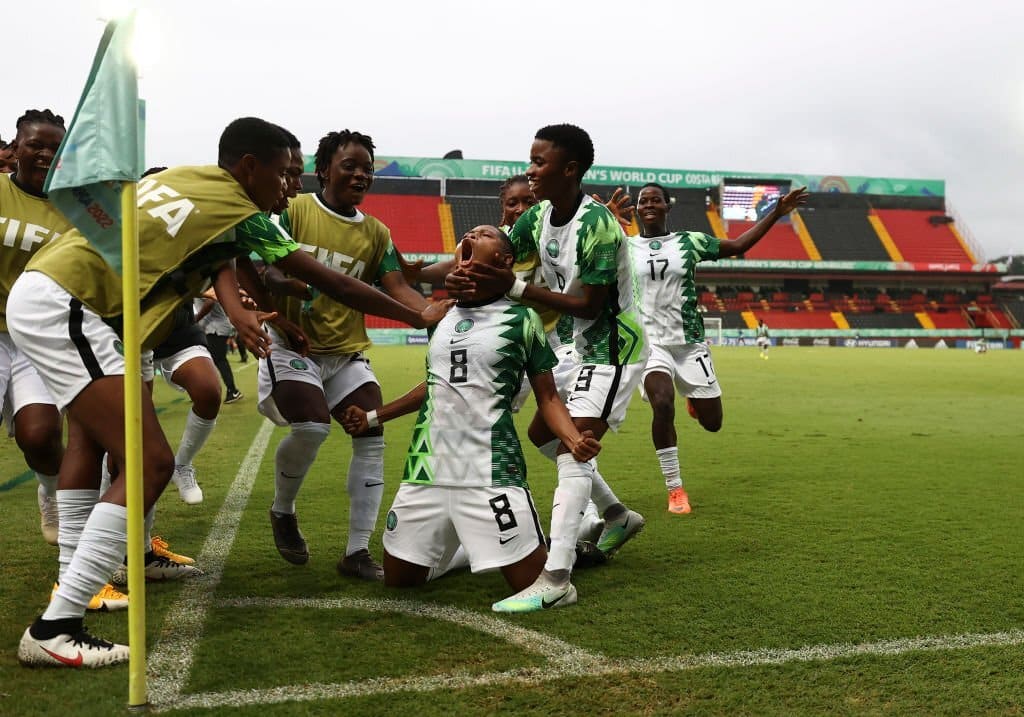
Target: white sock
pixel 459 559
pixel 147 530
pixel 600 492
pixel 104 475
pixel 365 490
pixel 668 459
pixel 100 551
pixel 73 509
pixel 295 455
pixel 550 449
pixel 49 484
pixel 197 430
pixel 571 494
pixel 591 523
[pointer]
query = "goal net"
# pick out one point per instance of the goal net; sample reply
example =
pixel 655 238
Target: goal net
pixel 713 330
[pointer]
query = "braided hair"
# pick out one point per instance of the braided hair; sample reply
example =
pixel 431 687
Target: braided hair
pixel 39 117
pixel 330 143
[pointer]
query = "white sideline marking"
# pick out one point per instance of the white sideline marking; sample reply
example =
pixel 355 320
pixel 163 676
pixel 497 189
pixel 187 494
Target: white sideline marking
pixel 532 676
pixel 170 661
pixel 552 648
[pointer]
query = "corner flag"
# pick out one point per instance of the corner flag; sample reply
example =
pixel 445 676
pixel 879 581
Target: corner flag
pixel 103 146
pixel 93 183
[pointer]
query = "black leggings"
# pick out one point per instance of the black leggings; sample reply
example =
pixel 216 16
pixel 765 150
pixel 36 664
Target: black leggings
pixel 219 352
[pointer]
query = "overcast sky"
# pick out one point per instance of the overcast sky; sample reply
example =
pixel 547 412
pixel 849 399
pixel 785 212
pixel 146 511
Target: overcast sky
pixel 931 90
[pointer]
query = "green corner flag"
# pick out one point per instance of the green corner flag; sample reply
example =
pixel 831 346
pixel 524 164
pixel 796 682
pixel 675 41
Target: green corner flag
pixel 103 146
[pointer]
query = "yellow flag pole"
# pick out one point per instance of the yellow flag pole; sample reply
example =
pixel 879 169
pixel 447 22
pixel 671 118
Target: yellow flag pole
pixel 137 696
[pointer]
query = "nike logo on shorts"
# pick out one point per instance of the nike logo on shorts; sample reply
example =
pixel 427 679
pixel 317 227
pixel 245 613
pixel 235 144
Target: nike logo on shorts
pixel 502 541
pixel 371 484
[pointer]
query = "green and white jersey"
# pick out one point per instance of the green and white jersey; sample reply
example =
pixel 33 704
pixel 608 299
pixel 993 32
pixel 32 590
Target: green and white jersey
pixel 665 267
pixel 464 434
pixel 26 223
pixel 762 331
pixel 359 246
pixel 589 249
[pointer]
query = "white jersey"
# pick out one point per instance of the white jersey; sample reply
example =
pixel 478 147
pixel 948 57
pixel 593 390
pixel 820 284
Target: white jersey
pixel 464 434
pixel 664 267
pixel 589 249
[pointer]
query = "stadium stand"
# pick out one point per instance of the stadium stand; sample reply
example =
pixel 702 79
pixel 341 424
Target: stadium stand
pixel 796 319
pixel 411 208
pixel 781 242
pixel 883 320
pixel 923 235
pixel 838 224
pixel 426 215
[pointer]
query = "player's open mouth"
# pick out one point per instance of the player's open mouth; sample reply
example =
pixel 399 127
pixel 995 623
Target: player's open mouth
pixel 466 251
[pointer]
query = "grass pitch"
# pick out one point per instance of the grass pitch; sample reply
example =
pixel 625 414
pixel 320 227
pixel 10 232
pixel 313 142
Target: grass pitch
pixel 855 548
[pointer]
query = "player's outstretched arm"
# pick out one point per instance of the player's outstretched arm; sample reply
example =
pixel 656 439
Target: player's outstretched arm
pixel 279 284
pixel 583 446
pixel 360 296
pixel 355 421
pixel 247 323
pixel 249 279
pixel 398 288
pixel 740 245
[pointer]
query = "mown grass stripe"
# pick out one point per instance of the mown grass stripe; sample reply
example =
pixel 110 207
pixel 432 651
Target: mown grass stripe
pixel 171 659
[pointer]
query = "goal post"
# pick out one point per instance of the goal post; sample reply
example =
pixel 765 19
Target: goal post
pixel 713 330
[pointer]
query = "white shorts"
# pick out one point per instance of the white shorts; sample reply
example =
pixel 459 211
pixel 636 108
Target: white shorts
pixel 599 391
pixel 175 361
pixel 427 523
pixel 763 342
pixel 690 368
pixel 20 384
pixel 336 376
pixel 566 366
pixel 69 345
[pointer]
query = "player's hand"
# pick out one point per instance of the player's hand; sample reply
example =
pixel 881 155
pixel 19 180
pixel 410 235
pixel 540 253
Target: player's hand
pixel 459 285
pixel 435 311
pixel 621 205
pixel 250 331
pixel 247 301
pixel 791 201
pixel 585 447
pixel 353 420
pixel 490 280
pixel 297 339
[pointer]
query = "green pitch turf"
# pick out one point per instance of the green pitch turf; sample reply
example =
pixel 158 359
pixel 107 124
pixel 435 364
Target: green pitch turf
pixel 855 548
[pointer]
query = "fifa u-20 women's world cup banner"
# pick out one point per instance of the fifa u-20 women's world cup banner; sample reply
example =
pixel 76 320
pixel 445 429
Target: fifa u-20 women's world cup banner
pixel 675 178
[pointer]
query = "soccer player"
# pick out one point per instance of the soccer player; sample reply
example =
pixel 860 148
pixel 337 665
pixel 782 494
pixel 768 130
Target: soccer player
pixel 218 329
pixel 680 359
pixel 582 256
pixel 7 161
pixel 465 477
pixel 194 220
pixel 763 342
pixel 27 222
pixel 304 393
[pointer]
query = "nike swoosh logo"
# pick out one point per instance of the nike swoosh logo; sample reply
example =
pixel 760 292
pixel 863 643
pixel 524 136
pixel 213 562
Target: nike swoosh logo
pixel 371 484
pixel 545 604
pixel 711 382
pixel 502 541
pixel 458 341
pixel 76 662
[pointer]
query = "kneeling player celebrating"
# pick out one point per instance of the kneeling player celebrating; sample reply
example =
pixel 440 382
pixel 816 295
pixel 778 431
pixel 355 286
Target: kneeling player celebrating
pixel 465 477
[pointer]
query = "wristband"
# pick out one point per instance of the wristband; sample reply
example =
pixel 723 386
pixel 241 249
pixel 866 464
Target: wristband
pixel 518 287
pixel 371 419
